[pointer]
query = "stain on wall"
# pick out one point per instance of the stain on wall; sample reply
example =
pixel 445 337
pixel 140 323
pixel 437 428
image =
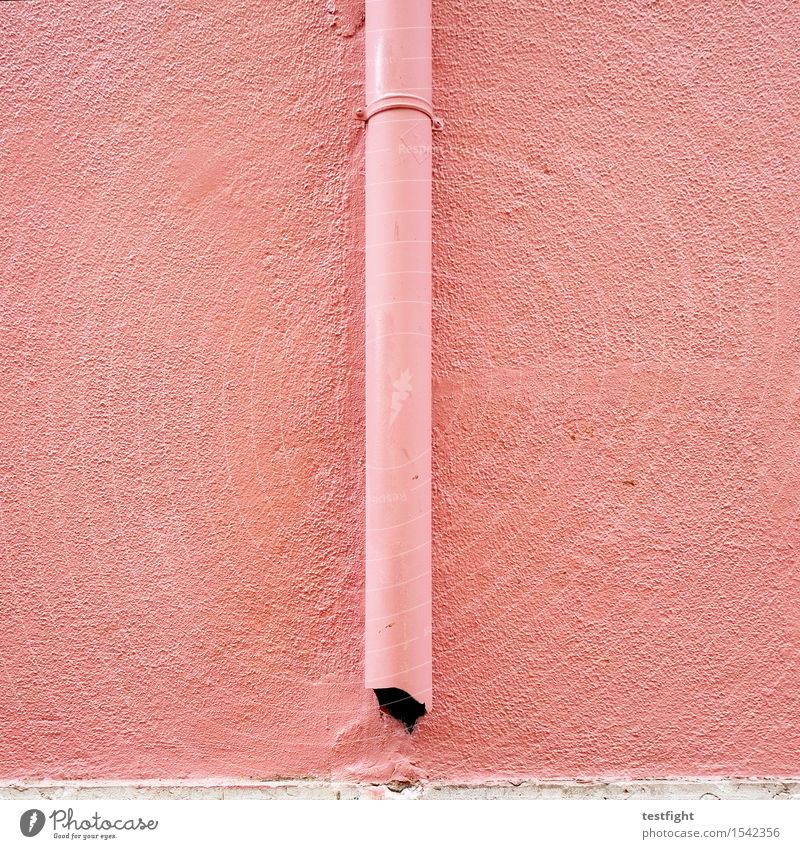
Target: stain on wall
pixel 616 392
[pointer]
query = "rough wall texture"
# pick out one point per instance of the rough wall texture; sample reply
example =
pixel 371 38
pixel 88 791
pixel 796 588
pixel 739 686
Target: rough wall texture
pixel 616 392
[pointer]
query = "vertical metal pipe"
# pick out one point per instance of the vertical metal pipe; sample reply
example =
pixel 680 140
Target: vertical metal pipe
pixel 398 355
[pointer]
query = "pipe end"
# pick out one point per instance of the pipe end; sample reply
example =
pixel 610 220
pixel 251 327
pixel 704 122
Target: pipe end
pixel 398 704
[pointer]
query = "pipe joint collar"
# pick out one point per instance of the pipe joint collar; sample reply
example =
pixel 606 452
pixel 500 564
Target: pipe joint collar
pixel 394 100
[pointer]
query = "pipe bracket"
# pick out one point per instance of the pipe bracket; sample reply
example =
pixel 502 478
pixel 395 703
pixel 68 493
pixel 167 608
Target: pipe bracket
pixel 399 101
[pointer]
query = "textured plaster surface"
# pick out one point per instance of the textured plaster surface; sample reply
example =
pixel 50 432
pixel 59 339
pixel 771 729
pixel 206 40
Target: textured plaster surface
pixel 616 393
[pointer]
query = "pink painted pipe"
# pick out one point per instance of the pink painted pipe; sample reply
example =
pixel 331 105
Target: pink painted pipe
pixel 398 355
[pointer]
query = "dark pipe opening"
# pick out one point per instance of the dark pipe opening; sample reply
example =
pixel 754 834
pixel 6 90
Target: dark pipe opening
pixel 400 705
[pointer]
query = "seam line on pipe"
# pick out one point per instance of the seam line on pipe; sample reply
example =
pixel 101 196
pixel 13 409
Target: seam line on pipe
pixel 400 524
pixel 398 553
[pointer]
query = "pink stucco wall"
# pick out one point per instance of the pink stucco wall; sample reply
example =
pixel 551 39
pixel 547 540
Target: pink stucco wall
pixel 616 392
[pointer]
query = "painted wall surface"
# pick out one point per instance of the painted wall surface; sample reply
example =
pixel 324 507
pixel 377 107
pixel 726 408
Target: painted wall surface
pixel 616 392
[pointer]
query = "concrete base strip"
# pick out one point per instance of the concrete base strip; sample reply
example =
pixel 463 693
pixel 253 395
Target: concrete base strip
pixel 689 789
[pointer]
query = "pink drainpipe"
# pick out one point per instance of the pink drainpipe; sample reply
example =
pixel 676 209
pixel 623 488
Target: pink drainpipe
pixel 399 119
